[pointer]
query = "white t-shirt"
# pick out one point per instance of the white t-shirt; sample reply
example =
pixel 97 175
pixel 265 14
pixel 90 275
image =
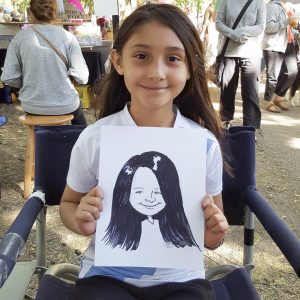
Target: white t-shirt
pixel 83 176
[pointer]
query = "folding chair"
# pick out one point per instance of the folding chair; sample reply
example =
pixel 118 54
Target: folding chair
pixel 241 202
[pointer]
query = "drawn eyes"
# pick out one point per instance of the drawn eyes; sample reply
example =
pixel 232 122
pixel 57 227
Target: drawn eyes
pixel 138 192
pixel 154 192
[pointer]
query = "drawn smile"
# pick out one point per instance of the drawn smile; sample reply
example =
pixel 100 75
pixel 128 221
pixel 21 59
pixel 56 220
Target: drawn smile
pixel 150 206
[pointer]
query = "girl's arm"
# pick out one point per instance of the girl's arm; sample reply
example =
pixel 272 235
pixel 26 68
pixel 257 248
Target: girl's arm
pixel 79 211
pixel 216 224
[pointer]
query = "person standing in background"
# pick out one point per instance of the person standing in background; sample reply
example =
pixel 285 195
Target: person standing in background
pixel 280 55
pixel 243 55
pixel 209 34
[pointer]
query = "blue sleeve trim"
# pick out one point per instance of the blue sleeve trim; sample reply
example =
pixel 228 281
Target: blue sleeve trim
pixel 209 144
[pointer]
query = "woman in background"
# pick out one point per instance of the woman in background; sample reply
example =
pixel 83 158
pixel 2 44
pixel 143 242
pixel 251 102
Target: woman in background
pixel 40 73
pixel 242 56
pixel 209 35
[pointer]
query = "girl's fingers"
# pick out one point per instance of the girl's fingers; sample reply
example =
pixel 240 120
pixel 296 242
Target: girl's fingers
pixel 210 210
pixel 96 192
pixel 206 201
pixel 86 216
pixel 92 201
pixel 90 207
pixel 215 219
pixel 217 225
pixel 93 210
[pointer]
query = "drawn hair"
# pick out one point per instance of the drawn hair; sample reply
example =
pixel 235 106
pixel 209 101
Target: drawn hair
pixel 125 227
pixel 44 10
pixel 194 101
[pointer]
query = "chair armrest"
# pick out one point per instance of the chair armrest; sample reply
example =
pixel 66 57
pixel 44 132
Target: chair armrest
pixel 281 234
pixel 16 236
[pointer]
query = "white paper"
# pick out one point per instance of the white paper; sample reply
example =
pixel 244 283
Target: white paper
pixel 106 7
pixel 186 148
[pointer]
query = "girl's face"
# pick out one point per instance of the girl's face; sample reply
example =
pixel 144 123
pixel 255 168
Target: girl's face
pixel 145 194
pixel 155 71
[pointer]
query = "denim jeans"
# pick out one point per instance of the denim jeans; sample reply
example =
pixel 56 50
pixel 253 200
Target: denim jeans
pixel 79 118
pixel 250 73
pixel 296 84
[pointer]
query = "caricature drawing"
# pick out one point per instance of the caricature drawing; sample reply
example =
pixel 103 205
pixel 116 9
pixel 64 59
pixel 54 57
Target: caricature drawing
pixel 147 191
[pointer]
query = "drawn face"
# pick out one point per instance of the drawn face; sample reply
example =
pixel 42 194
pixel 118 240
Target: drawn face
pixel 145 196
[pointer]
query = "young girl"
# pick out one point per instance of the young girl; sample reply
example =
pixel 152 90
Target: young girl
pixel 157 79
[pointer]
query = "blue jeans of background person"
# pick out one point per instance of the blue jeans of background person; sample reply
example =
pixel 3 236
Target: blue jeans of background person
pixel 250 74
pixel 281 71
pixel 79 118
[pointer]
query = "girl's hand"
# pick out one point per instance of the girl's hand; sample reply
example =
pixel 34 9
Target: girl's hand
pixel 88 211
pixel 216 224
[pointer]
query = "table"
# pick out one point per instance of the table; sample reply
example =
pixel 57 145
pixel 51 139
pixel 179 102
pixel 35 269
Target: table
pixel 95 58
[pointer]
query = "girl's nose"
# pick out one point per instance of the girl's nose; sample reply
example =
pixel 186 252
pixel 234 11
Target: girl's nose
pixel 157 70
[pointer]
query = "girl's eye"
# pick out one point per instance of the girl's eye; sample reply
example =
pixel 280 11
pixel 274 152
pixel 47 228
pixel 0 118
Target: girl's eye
pixel 140 56
pixel 157 192
pixel 173 58
pixel 138 192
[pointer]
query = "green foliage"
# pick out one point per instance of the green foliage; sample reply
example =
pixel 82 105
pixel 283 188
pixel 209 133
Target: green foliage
pixel 21 5
pixel 88 4
pixel 195 4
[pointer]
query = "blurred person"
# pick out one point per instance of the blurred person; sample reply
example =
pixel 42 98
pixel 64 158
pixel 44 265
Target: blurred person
pixel 280 54
pixel 209 34
pixel 41 74
pixel 192 14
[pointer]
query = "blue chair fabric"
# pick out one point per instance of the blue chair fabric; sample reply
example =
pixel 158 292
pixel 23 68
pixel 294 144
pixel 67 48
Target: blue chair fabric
pixel 53 145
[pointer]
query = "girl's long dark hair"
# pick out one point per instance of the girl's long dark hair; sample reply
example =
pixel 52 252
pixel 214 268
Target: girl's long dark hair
pixel 194 101
pixel 125 228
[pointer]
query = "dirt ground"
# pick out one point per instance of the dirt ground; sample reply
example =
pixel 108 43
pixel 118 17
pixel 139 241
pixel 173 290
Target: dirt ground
pixel 278 179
